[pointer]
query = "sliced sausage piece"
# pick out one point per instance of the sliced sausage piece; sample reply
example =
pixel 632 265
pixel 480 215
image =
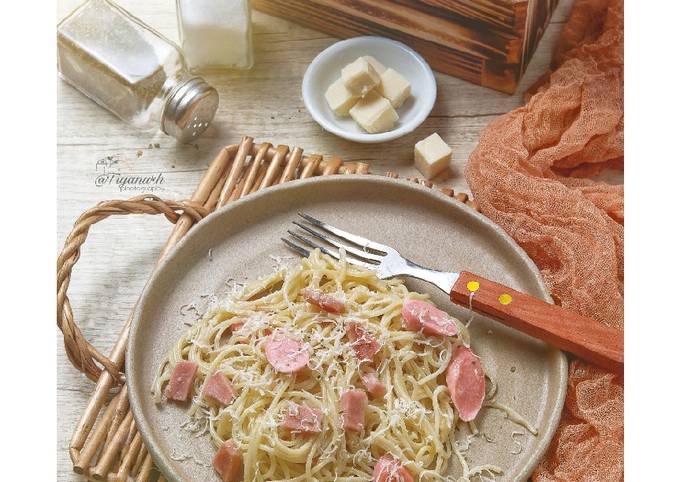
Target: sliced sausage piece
pixel 286 355
pixel 326 302
pixel 363 343
pixel 228 462
pixel 303 419
pixel 369 377
pixel 465 379
pixel 418 314
pixel 387 469
pixel 181 381
pixel 353 406
pixel 410 313
pixel 218 388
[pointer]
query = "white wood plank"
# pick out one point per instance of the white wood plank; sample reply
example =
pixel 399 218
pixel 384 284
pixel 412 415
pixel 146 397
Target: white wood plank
pixel 119 253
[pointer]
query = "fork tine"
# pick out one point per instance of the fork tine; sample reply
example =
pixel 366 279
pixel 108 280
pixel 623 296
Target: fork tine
pixel 364 255
pixel 353 238
pixel 333 254
pixel 299 249
pixel 312 244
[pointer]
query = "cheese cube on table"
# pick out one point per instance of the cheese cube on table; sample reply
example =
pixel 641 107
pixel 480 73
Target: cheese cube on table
pixel 360 77
pixel 374 113
pixel 432 156
pixel 340 99
pixel 394 87
pixel 380 68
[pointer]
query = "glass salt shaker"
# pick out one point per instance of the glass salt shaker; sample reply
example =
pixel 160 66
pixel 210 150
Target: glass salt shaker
pixel 215 34
pixel 133 71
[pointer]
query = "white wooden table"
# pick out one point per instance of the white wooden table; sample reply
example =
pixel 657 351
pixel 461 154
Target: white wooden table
pixel 264 103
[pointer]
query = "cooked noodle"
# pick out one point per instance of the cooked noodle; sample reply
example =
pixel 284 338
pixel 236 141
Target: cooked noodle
pixel 414 421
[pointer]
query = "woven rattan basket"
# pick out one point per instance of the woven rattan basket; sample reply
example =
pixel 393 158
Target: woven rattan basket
pixel 106 445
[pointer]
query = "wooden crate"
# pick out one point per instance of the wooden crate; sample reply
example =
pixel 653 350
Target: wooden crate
pixel 487 42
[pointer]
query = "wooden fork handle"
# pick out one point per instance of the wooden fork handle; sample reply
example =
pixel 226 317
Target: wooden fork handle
pixel 559 327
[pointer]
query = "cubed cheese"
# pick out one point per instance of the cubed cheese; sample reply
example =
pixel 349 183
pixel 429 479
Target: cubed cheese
pixel 394 87
pixel 360 77
pixel 380 68
pixel 340 99
pixel 374 113
pixel 432 156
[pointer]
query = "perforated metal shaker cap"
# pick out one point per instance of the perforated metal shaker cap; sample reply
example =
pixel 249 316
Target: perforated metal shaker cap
pixel 189 109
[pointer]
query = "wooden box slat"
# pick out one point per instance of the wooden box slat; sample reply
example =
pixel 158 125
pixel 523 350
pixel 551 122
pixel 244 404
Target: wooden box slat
pixel 503 15
pixel 488 42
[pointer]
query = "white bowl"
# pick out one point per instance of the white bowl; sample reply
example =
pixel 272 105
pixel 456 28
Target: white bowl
pixel 325 69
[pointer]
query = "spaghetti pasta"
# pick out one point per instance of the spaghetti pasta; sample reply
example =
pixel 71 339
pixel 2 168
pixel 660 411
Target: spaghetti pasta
pixel 414 420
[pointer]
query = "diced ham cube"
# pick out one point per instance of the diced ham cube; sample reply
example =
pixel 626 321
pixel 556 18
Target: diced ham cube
pixel 369 377
pixel 237 325
pixel 353 406
pixel 218 388
pixel 465 379
pixel 363 343
pixel 303 419
pixel 286 355
pixel 181 381
pixel 326 302
pixel 418 315
pixel 387 469
pixel 228 462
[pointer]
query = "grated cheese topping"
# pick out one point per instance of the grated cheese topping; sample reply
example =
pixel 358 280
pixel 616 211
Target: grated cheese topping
pixel 415 421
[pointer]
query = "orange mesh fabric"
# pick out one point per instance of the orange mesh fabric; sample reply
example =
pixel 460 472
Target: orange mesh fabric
pixel 530 174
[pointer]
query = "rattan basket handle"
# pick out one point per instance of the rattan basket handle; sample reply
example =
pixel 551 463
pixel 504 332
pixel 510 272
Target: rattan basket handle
pixel 82 354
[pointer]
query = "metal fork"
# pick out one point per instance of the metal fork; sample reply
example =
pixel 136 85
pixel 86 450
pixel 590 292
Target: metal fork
pixel 553 324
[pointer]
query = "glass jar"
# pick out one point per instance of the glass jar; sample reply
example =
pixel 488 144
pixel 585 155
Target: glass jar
pixel 215 34
pixel 133 71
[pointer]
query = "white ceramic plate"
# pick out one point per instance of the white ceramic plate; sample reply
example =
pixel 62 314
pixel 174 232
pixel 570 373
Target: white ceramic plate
pixel 326 67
